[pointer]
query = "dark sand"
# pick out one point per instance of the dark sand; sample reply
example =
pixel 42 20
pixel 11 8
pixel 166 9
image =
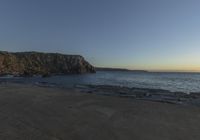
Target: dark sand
pixel 36 113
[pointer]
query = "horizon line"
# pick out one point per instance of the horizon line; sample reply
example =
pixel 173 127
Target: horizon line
pixel 154 70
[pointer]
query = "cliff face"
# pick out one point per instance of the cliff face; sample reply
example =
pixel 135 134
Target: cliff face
pixel 34 63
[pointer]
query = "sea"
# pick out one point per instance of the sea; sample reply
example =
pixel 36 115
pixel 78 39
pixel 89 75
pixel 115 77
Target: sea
pixel 175 82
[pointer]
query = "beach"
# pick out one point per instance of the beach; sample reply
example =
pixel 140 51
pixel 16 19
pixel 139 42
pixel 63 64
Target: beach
pixel 30 112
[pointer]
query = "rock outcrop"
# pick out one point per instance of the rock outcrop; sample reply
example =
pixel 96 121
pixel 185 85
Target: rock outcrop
pixel 35 63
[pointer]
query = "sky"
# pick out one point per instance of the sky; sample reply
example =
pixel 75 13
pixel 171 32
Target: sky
pixel 156 35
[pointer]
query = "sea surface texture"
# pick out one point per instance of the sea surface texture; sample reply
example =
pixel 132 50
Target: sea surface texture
pixel 175 82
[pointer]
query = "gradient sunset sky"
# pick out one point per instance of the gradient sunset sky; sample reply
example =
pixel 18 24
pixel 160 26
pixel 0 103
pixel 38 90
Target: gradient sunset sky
pixel 136 34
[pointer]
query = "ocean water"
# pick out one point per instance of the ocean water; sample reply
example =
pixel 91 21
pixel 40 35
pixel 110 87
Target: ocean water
pixel 183 82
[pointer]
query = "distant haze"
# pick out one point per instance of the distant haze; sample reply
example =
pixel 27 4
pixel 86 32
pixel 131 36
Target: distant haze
pixel 157 35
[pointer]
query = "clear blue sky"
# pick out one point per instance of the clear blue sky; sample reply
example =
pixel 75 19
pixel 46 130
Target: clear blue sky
pixel 135 34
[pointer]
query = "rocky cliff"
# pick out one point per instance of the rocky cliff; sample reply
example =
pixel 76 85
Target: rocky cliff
pixel 35 63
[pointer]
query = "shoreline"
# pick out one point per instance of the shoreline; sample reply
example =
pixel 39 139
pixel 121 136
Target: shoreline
pixel 155 95
pixel 147 94
pixel 174 83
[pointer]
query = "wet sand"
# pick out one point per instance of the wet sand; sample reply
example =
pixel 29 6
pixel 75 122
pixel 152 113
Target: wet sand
pixel 29 112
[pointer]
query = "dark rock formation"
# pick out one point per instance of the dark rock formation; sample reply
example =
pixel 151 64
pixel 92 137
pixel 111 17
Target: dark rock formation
pixel 35 63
